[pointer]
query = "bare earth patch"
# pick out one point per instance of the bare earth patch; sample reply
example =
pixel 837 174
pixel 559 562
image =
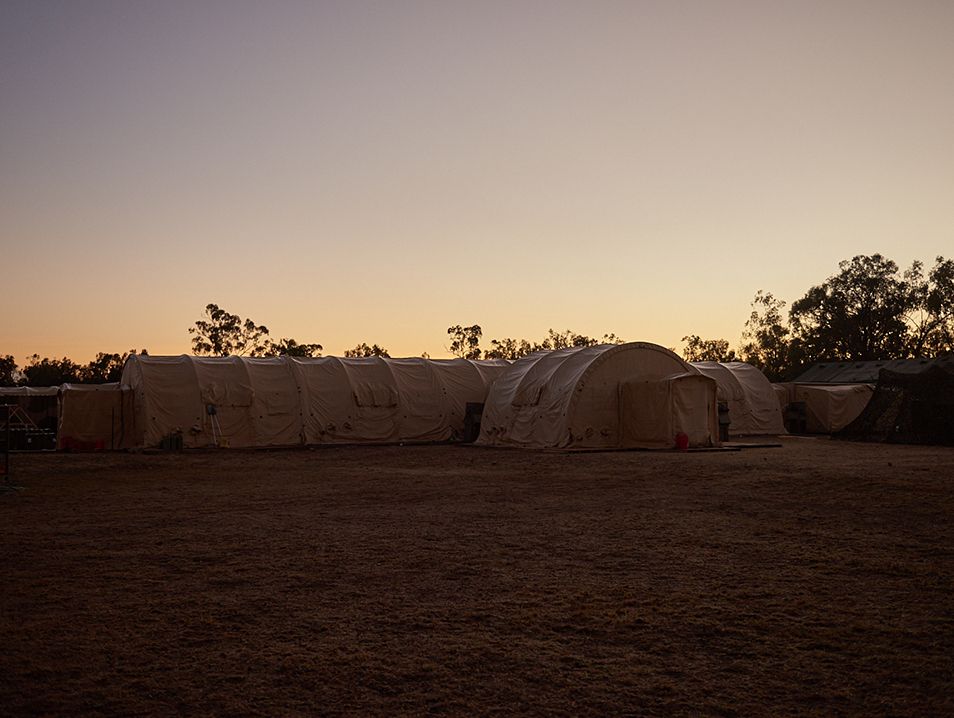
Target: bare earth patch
pixel 811 579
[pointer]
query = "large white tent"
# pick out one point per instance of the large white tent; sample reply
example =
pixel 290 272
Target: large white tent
pixel 244 402
pixel 608 396
pixel 752 402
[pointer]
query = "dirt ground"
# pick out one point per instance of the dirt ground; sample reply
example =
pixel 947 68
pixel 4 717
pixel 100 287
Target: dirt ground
pixel 815 578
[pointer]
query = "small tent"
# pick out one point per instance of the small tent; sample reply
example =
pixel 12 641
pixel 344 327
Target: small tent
pixel 826 408
pixel 752 402
pixel 598 397
pixel 655 411
pixel 95 416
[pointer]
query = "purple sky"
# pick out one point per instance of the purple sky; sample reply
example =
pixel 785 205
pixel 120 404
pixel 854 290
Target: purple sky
pixel 353 171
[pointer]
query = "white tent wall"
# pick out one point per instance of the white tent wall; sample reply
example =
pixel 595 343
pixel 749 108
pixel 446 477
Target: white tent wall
pixel 594 407
pixel 653 412
pixel 95 416
pixel 752 401
pixel 570 397
pixel 420 386
pixel 765 416
pixel 830 408
pixel 348 400
pixel 276 403
pixel 226 388
pixel 524 406
pixel 287 401
pixel 529 404
pixel 167 399
pixel 782 396
pixel 465 382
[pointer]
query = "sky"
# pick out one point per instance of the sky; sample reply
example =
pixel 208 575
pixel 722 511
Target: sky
pixel 356 171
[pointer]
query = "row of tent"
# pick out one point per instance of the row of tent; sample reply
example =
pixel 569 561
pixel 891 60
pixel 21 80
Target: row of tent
pixel 630 395
pixel 247 402
pixel 634 395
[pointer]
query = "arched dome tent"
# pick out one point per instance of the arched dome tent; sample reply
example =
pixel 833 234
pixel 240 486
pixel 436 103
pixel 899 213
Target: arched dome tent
pixel 240 401
pixel 382 400
pixel 752 400
pixel 578 398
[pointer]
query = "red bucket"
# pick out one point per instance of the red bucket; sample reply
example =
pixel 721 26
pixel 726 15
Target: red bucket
pixel 682 441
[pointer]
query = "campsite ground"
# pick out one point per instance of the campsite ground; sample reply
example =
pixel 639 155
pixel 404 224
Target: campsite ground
pixel 812 578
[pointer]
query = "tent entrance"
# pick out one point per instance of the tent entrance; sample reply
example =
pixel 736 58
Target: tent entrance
pixel 653 413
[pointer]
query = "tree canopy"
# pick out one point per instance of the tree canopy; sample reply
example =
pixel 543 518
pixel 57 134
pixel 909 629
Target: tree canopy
pixel 931 322
pixel 291 348
pixel 220 333
pixel 104 368
pixel 765 339
pixel 50 372
pixel 698 349
pixel 363 350
pixel 8 371
pixel 465 341
pixel 856 315
pixel 869 310
pixel 46 371
pixel 508 348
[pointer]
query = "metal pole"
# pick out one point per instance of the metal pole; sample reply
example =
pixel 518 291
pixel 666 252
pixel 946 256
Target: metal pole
pixel 6 444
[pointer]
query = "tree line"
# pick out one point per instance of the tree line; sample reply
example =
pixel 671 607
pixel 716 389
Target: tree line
pixel 870 309
pixel 465 343
pixel 106 367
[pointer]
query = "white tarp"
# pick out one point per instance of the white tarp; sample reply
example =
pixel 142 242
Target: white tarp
pixel 830 408
pixel 243 402
pixel 753 404
pixel 571 397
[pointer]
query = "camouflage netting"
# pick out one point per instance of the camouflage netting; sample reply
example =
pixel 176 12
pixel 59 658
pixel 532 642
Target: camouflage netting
pixel 908 409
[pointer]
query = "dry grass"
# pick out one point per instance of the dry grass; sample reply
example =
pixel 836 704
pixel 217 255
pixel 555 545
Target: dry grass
pixel 811 579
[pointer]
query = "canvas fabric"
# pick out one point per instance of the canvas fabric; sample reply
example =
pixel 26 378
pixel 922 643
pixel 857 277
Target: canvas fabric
pixel 782 396
pixel 831 408
pixel 247 402
pixel 570 397
pixel 95 416
pixel 654 412
pixel 752 401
